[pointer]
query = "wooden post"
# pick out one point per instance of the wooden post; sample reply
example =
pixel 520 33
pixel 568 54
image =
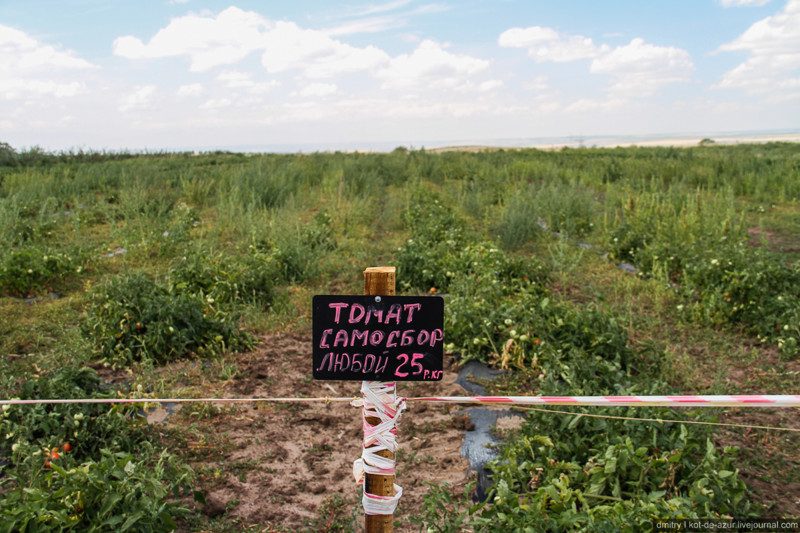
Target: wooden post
pixel 379 281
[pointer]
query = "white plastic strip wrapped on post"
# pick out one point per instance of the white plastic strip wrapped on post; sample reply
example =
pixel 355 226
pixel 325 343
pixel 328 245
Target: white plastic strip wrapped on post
pixel 379 401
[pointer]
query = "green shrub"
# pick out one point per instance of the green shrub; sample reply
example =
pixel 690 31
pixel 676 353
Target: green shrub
pixel 565 350
pixel 739 284
pixel 114 492
pixel 700 248
pixel 425 266
pixel 297 250
pixel 30 271
pixel 133 318
pixel 626 240
pixel 83 467
pixel 146 202
pixel 520 222
pixel 430 219
pixel 575 473
pixel 499 310
pixel 534 210
pixel 227 278
pixel 87 427
pixel 436 238
pixel 446 511
pixel 21 223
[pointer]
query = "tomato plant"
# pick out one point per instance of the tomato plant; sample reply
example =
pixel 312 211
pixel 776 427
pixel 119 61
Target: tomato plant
pixel 135 318
pixel 107 477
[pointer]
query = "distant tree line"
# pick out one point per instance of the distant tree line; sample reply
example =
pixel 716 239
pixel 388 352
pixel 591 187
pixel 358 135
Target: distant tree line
pixel 37 156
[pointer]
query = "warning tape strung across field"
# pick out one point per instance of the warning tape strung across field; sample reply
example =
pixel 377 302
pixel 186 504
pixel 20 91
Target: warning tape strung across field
pixel 762 400
pixel 659 420
pixel 601 401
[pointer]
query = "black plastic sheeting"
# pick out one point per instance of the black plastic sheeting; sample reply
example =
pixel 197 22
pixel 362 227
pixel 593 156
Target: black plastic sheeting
pixel 477 442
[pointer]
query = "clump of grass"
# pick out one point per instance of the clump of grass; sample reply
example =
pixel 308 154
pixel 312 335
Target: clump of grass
pixel 520 222
pixel 299 249
pixel 531 211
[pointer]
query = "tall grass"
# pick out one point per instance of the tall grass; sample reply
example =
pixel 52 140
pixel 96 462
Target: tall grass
pixel 533 210
pixel 664 229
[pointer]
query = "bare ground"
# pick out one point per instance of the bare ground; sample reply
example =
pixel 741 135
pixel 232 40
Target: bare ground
pixel 273 466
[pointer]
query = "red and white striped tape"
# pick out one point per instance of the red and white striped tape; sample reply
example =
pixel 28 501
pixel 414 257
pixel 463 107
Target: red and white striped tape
pixel 379 402
pixel 761 400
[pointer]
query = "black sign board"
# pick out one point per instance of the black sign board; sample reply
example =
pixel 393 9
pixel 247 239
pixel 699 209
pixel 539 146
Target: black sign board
pixel 378 338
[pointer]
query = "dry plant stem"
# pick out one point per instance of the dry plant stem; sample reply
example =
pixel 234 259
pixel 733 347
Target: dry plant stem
pixel 379 281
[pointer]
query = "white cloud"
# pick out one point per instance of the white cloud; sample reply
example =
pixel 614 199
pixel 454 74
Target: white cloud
pixel 430 8
pixel 550 107
pixel 209 42
pixel 639 69
pixel 217 103
pixel 139 98
pixel 546 44
pixel 774 47
pixel 527 37
pixel 415 108
pixel 730 3
pixel 431 66
pixel 30 69
pixel 12 89
pixel 263 87
pixel 233 34
pixel 539 83
pixel 364 21
pixel 318 90
pixel 366 25
pixel 584 105
pixel 192 89
pixel 289 47
pixel 26 54
pixel 233 79
pixel 490 85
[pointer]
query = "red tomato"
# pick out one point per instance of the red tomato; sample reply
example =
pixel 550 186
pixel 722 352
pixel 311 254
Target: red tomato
pixel 67 447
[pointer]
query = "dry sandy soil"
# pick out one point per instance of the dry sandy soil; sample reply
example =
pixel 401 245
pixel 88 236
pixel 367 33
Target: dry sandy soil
pixel 274 465
pixel 610 142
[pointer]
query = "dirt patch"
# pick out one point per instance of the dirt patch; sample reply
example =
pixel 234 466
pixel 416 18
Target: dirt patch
pixel 773 457
pixel 774 240
pixel 274 465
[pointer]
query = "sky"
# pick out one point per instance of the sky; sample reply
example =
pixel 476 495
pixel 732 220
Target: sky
pixel 308 75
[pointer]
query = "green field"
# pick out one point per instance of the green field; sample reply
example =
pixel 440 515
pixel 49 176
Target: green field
pixel 123 263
